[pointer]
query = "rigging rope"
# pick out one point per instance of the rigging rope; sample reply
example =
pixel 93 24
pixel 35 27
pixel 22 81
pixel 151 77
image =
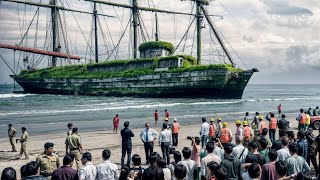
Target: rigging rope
pixel 7 64
pixel 184 35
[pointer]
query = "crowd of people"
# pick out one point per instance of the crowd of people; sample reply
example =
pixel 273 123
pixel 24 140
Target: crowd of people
pixel 216 154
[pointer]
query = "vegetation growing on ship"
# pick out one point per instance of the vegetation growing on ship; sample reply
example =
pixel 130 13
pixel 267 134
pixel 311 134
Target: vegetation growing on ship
pixel 157 44
pixel 82 72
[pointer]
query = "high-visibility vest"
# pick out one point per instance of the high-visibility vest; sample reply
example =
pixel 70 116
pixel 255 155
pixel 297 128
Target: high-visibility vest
pixel 273 123
pixel 225 135
pixel 307 119
pixel 211 130
pixel 247 132
pixel 303 119
pixel 263 125
pixel 175 128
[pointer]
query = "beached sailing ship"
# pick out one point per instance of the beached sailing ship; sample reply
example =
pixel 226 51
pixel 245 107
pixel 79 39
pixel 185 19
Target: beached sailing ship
pixel 158 72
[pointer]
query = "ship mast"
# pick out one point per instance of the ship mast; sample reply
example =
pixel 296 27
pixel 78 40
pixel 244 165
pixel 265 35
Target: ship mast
pixel 135 27
pixel 199 17
pixel 54 20
pixel 95 31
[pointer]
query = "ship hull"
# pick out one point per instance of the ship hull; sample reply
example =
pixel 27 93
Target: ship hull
pixel 195 84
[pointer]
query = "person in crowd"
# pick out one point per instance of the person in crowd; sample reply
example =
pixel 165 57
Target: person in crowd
pixel 302 145
pixel 317 149
pixel 161 163
pixel 308 119
pixel 269 169
pixel 125 173
pixel 221 173
pixel 254 171
pixel 231 163
pixel 48 161
pixel 247 134
pixel 225 134
pixel 189 164
pixel 70 126
pixel 218 127
pixel 153 172
pixel 137 170
pixel 156 117
pixel 291 136
pixel 212 132
pixel 249 160
pixel 239 150
pixel 209 158
pixel 107 169
pixel 88 171
pixel 281 169
pixel 316 111
pixel 264 150
pixel 167 114
pixel 9 174
pixel 165 140
pixel 148 136
pixel 258 158
pixel 296 163
pixel 284 153
pixel 65 172
pixel 239 130
pixel 166 121
pixel 309 112
pixel 303 176
pixel 218 148
pixel 195 154
pixel 277 143
pixel 311 150
pixel 12 137
pixel 279 109
pixel 254 124
pixel 246 117
pixel 204 132
pixel 264 136
pixel 283 124
pixel 261 125
pixel 74 146
pixel 175 131
pixel 211 167
pixel 116 122
pixel 23 140
pixel 180 172
pixel 126 144
pixel 302 120
pixel 177 158
pixel 272 126
pixel 30 171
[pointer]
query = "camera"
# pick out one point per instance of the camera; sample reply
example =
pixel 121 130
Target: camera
pixel 189 137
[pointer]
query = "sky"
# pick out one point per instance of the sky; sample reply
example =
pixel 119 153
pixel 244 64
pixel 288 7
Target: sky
pixel 280 38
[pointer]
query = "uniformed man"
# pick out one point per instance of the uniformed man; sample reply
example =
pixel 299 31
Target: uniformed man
pixel 69 132
pixel 48 161
pixel 12 134
pixel 73 144
pixel 23 141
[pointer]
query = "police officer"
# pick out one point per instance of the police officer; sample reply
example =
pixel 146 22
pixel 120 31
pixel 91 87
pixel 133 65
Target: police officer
pixel 48 161
pixel 12 133
pixel 74 145
pixel 23 141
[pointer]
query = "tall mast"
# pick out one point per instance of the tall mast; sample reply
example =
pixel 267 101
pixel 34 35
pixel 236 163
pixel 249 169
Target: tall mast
pixel 135 27
pixel 95 30
pixel 157 28
pixel 54 20
pixel 199 27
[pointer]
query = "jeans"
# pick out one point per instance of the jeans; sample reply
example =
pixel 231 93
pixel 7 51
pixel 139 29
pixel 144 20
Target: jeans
pixel 148 149
pixel 126 150
pixel 204 140
pixel 174 139
pixel 272 134
pixel 313 159
pixel 165 148
pixel 301 127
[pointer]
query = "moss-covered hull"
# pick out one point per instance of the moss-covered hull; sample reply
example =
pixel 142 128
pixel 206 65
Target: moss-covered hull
pixel 212 83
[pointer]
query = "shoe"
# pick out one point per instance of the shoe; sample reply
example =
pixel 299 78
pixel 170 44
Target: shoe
pixel 26 158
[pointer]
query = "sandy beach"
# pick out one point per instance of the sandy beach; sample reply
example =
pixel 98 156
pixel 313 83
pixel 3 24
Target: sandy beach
pixel 95 142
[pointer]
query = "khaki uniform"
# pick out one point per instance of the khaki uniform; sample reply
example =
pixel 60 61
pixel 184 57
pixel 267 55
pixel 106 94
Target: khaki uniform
pixel 48 163
pixel 73 142
pixel 23 140
pixel 12 134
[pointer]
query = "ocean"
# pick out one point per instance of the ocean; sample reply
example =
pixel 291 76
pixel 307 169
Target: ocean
pixel 49 114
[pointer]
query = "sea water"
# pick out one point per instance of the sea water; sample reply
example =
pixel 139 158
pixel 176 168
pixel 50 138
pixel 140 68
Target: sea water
pixel 49 114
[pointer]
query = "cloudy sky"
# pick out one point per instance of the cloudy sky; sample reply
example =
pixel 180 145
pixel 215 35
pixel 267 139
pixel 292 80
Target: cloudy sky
pixel 280 38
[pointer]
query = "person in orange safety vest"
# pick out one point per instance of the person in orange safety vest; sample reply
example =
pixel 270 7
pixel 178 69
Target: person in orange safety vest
pixel 261 125
pixel 175 132
pixel 211 129
pixel 272 126
pixel 225 134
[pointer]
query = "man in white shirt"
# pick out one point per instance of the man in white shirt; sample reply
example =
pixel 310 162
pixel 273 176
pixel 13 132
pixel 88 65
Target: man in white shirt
pixel 284 153
pixel 190 165
pixel 209 158
pixel 148 136
pixel 88 171
pixel 165 140
pixel 204 132
pixel 107 170
pixel 240 151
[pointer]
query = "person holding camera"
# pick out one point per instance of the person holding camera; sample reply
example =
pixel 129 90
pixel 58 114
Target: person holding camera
pixel 195 154
pixel 48 160
pixel 165 140
pixel 204 132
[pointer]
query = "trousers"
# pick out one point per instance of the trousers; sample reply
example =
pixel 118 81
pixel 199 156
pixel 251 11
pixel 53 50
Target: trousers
pixel 165 148
pixel 126 150
pixel 174 139
pixel 148 149
pixel 24 150
pixel 12 142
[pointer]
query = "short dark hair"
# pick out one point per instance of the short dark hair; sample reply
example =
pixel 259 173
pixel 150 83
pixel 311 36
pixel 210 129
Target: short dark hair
pixel 228 148
pixel 301 135
pixel 106 154
pixel 153 158
pixel 48 145
pixel 301 110
pixel 69 125
pixel 272 114
pixel 273 154
pixel 210 147
pixel 284 141
pixel 161 162
pixel 204 119
pixel 291 134
pixel 212 166
pixel 186 152
pixel 23 171
pixel 283 116
pixel 126 124
pixel 136 160
pixel 31 168
pixel 263 143
pixel 87 156
pixel 253 145
pixel 24 128
pixel 282 133
pixel 180 171
pixel 221 173
pixel 264 131
pixel 197 140
pixel 281 167
pixel 250 158
pixel 177 156
pixel 67 159
pixel 254 170
pixel 74 129
pixel 9 174
pixel 164 125
pixel 10 125
pixel 293 147
pixel 125 170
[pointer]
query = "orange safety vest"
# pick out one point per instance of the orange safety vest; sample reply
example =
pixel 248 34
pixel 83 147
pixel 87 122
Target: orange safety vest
pixel 211 130
pixel 247 132
pixel 175 128
pixel 303 119
pixel 263 125
pixel 225 135
pixel 273 123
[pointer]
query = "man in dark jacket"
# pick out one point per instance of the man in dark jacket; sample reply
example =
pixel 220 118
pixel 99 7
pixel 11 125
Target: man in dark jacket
pixel 126 135
pixel 311 150
pixel 231 163
pixel 283 123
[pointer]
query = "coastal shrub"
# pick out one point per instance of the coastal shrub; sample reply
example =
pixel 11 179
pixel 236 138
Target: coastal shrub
pixel 157 44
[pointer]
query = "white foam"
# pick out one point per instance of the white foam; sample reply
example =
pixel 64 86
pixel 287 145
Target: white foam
pixel 12 95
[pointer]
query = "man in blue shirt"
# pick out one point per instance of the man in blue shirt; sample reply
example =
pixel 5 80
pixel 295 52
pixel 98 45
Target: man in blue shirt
pixel 302 145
